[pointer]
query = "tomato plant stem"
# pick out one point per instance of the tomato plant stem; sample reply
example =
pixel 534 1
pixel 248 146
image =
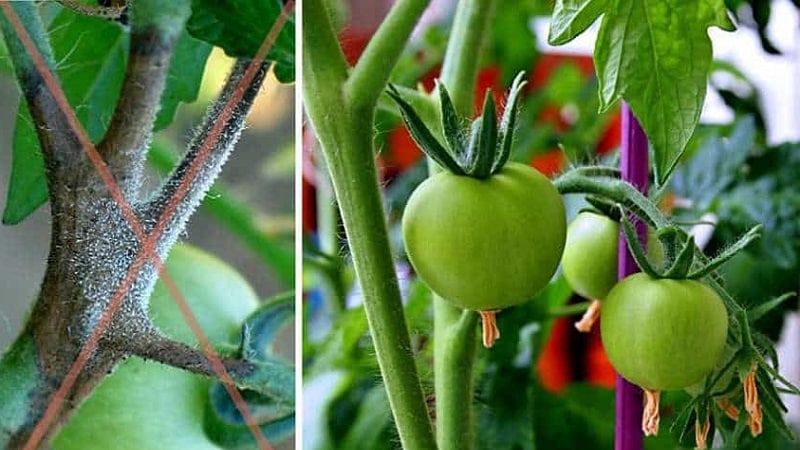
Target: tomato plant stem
pixel 460 66
pixel 371 74
pixel 342 110
pixel 454 334
pixel 454 357
pixel 627 432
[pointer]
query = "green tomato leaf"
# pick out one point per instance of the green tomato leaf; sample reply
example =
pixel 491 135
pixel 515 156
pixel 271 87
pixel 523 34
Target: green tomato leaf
pixel 240 26
pixel 715 166
pixel 656 55
pixel 372 422
pixel 224 424
pixel 260 329
pixel 184 77
pixel 573 17
pixel 91 60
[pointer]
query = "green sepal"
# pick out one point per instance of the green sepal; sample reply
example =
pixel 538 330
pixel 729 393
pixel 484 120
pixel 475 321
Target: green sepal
pixel 453 133
pixel 479 153
pixel 635 247
pixel 669 239
pixel 753 234
pixel 505 134
pixel 486 145
pixel 683 262
pixel 471 149
pixel 762 309
pixel 423 136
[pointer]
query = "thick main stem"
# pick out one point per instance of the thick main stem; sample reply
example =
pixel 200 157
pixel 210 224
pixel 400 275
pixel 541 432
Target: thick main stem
pixel 342 118
pixel 454 334
pixel 629 407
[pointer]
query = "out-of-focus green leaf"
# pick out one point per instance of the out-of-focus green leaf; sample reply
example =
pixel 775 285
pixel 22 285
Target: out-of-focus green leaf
pixel 224 424
pixel 371 428
pixel 6 68
pixel 504 410
pixel 580 417
pixel 513 41
pixel 240 27
pixel 90 54
pixel 656 55
pixel 715 165
pixel 573 17
pixel 268 391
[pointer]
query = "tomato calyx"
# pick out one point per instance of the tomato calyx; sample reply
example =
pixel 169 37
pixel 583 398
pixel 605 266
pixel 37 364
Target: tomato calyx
pixel 479 151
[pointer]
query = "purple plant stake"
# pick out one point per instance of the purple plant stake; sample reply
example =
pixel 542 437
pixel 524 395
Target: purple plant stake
pixel 634 166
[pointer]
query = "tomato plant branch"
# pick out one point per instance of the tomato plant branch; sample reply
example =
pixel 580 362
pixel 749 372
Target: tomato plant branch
pixel 155 30
pixel 461 61
pixel 59 146
pixel 270 379
pixel 93 242
pixel 455 336
pixel 212 165
pixel 236 215
pixel 616 190
pixel 371 73
pixel 343 124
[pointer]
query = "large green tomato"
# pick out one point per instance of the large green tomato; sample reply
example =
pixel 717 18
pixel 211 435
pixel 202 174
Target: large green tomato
pixel 663 334
pixel 485 244
pixel 590 255
pixel 145 405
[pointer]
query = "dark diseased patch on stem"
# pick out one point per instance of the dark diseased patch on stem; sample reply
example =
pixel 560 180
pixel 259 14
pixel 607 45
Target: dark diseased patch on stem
pixel 31 83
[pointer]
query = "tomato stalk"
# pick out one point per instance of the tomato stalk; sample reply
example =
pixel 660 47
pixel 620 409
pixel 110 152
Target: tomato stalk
pixel 341 108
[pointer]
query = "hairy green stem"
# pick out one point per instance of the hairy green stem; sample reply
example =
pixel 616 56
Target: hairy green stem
pixel 328 234
pixel 371 74
pixel 616 190
pixel 454 357
pixel 236 216
pixel 461 61
pixel 344 124
pixel 454 337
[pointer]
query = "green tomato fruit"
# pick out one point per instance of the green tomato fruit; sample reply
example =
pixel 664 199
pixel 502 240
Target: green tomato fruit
pixel 663 334
pixel 485 244
pixel 590 255
pixel 145 405
pixel 591 252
